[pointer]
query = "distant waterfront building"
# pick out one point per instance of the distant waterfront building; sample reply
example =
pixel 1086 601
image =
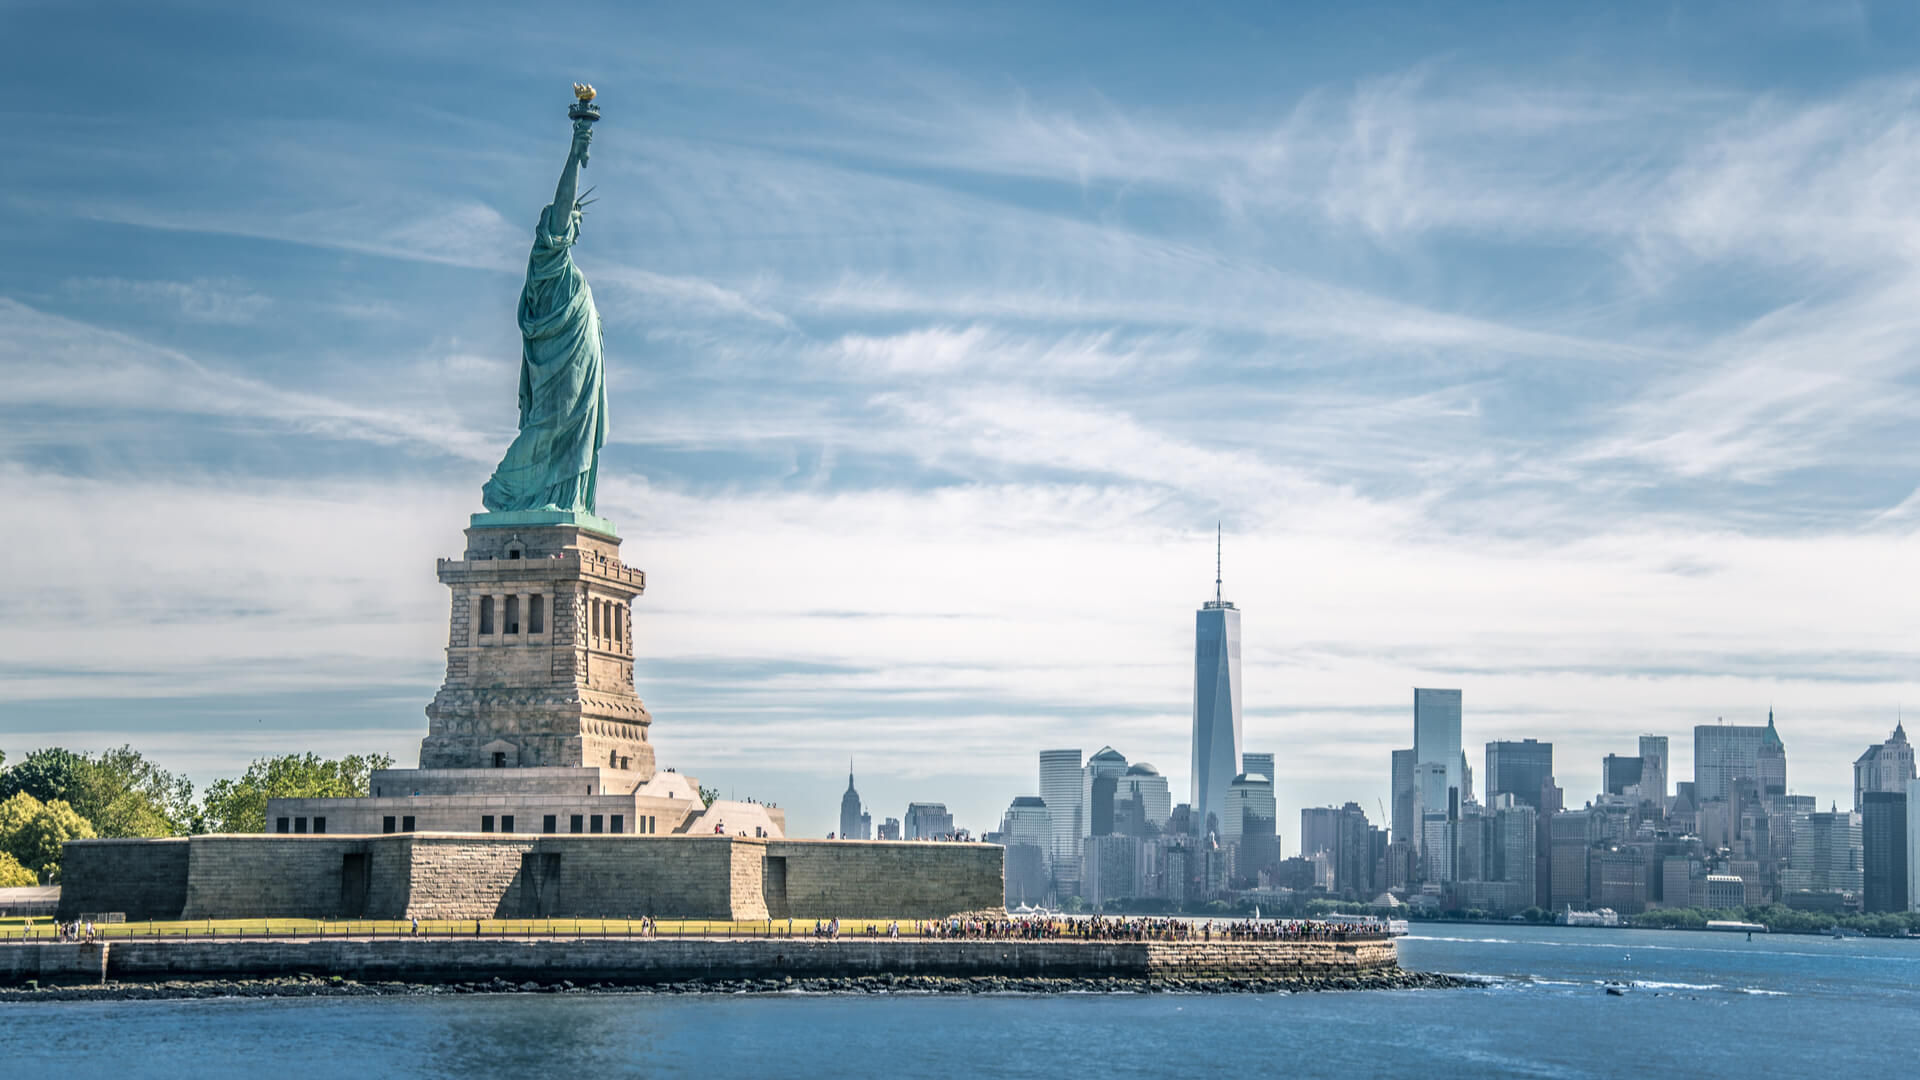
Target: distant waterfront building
pixel 1726 753
pixel 1726 892
pixel 1885 767
pixel 854 825
pixel 1353 853
pixel 1515 837
pixel 1619 774
pixel 1249 826
pixel 1216 708
pixel 1883 843
pixel 1521 769
pixel 1524 770
pixel 1618 877
pixel 1262 763
pixel 1099 781
pixel 1060 784
pixel 1653 770
pixel 1028 834
pixel 1571 840
pixel 1108 873
pixel 1319 830
pixel 1143 804
pixel 1683 882
pixel 1435 811
pixel 1913 845
pixel 928 821
pixel 1436 743
pixel 889 829
pixel 1402 824
pixel 1826 855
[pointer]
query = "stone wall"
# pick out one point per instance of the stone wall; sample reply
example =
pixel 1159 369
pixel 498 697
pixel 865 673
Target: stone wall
pixel 449 878
pixel 670 959
pixel 269 877
pixel 881 879
pixel 473 876
pixel 146 879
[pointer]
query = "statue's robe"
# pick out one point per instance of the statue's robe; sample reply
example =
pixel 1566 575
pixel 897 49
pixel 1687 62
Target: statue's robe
pixel 554 462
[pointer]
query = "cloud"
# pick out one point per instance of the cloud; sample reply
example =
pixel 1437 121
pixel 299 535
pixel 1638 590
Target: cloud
pixel 59 363
pixel 218 301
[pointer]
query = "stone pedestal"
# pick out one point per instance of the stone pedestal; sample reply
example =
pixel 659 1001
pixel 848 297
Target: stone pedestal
pixel 540 653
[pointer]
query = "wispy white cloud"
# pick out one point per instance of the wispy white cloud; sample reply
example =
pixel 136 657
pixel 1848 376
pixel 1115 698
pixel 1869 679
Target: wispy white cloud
pixel 928 376
pixel 204 300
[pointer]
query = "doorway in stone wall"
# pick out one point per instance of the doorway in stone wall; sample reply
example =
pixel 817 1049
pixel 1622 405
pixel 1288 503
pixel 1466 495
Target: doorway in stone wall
pixel 353 885
pixel 773 886
pixel 539 884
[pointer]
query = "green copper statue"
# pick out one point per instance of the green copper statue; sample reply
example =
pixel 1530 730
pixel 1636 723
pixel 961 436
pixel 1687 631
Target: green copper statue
pixel 555 460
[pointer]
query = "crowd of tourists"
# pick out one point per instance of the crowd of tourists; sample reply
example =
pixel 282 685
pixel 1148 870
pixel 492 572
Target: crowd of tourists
pixel 78 931
pixel 1120 928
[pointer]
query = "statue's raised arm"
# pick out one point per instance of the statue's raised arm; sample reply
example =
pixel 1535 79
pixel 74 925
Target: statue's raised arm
pixel 554 463
pixel 567 193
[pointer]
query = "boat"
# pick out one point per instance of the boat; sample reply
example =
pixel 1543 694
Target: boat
pixel 1844 932
pixel 1602 917
pixel 1390 927
pixel 1734 926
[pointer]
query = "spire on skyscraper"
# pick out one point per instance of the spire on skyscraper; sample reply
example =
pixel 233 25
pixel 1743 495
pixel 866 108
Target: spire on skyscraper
pixel 1216 561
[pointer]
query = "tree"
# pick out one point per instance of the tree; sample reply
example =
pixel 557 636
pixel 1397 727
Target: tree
pixel 707 795
pixel 124 794
pixel 45 774
pixel 240 806
pixel 32 831
pixel 13 875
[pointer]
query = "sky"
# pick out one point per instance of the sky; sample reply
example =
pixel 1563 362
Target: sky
pixel 1567 355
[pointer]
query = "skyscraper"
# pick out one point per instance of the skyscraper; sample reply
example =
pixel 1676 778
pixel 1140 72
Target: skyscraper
pixel 1401 827
pixel 1653 770
pixel 1436 808
pixel 1143 801
pixel 1913 845
pixel 1028 833
pixel 1618 773
pixel 1353 853
pixel 1520 769
pixel 1216 707
pixel 854 825
pixel 1826 854
pixel 1883 841
pixel 1248 825
pixel 1319 830
pixel 1099 782
pixel 928 821
pixel 1260 764
pixel 1887 766
pixel 1724 753
pixel 1060 784
pixel 1436 743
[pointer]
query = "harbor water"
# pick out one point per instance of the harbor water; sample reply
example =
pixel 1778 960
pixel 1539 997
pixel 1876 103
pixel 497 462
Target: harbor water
pixel 1696 1004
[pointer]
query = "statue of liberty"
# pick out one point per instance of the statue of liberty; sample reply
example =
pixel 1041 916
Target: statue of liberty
pixel 554 462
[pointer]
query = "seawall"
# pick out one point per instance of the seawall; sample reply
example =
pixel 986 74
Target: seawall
pixel 660 960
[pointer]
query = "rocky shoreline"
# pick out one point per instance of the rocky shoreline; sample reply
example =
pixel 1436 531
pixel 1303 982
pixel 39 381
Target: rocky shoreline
pixel 298 986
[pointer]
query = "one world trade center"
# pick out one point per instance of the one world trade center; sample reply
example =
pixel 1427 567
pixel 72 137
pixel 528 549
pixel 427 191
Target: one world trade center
pixel 1216 706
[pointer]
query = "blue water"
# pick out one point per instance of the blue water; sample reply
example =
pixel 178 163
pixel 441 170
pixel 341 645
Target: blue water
pixel 1705 1005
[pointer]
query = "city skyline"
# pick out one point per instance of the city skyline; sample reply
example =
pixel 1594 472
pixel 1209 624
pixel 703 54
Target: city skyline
pixel 1567 360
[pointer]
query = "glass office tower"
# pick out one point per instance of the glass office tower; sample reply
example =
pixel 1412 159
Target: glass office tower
pixel 1216 711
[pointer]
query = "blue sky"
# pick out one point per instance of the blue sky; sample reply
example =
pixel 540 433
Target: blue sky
pixel 1568 357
